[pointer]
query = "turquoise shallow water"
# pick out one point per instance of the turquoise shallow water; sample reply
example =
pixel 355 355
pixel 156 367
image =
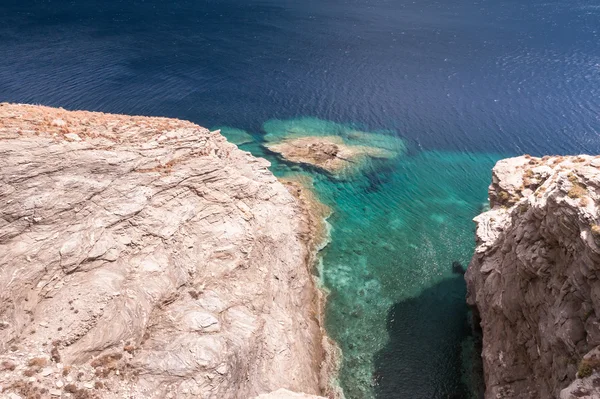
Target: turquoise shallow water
pixel 395 307
pixel 460 81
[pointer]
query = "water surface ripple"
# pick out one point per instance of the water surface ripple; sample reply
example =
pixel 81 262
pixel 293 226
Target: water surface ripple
pixel 462 83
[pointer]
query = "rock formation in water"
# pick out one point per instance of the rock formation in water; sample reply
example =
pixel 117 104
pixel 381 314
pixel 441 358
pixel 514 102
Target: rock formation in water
pixel 328 153
pixel 534 278
pixel 150 258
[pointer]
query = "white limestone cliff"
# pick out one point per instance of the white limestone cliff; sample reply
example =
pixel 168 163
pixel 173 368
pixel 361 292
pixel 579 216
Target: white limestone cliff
pixel 149 258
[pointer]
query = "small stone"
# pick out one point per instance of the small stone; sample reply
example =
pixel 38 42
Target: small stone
pixel 69 379
pixel 88 385
pixel 222 369
pixel 59 384
pixel 31 379
pixel 14 396
pixel 58 122
pixel 73 137
pixel 46 372
pixel 55 392
pixel 44 324
pixel 59 366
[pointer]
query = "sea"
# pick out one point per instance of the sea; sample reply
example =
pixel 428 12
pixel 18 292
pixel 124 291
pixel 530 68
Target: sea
pixel 455 85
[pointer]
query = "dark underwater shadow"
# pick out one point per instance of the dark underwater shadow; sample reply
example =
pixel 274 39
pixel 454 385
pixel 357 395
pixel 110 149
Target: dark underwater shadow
pixel 431 353
pixel 378 177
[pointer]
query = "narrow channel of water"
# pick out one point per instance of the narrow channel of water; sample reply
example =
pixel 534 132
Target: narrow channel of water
pixel 396 307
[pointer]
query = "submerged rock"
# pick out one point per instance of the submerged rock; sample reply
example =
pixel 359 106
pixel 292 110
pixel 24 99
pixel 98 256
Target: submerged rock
pixel 534 278
pixel 235 136
pixel 335 148
pixel 150 259
pixel 457 268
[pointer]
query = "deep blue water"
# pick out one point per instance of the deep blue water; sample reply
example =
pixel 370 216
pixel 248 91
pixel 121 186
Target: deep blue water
pixel 462 82
pixel 494 75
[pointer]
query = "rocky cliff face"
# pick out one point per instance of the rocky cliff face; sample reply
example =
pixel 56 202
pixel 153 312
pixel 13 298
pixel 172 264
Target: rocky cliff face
pixel 534 278
pixel 149 258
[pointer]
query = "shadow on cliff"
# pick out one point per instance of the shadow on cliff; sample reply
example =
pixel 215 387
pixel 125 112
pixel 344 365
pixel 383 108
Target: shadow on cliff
pixel 432 352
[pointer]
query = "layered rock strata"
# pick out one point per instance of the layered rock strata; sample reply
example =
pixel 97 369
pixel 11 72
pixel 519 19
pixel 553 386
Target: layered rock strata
pixel 534 278
pixel 149 258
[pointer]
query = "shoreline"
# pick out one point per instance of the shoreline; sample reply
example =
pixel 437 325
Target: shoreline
pixel 316 235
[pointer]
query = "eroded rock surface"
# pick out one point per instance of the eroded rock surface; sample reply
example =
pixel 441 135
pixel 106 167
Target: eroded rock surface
pixel 148 258
pixel 587 384
pixel 534 277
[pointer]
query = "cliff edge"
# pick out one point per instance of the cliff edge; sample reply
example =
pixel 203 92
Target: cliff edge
pixel 149 258
pixel 533 279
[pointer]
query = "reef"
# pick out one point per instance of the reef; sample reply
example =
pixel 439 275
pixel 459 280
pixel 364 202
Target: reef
pixel 328 153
